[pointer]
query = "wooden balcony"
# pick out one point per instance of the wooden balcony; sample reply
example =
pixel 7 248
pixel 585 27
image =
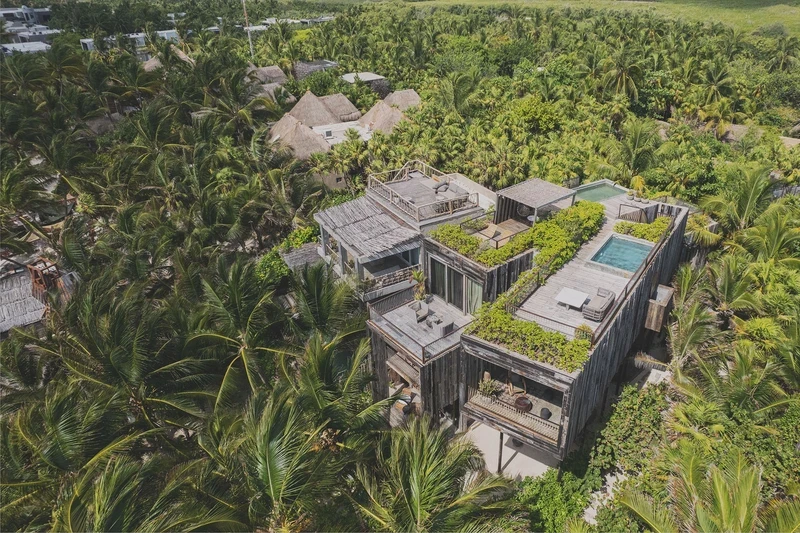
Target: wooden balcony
pixel 503 408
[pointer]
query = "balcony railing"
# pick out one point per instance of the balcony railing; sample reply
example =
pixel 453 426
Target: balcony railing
pixel 510 413
pixel 398 276
pixel 332 252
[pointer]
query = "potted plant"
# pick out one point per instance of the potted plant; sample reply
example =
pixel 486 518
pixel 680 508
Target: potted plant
pixel 489 388
pixel 638 185
pixel 418 276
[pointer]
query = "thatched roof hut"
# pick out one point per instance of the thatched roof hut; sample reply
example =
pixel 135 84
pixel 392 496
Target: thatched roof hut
pixel 152 64
pixel 269 74
pixel 341 107
pixel 313 111
pixel 404 99
pixel 382 117
pixel 301 139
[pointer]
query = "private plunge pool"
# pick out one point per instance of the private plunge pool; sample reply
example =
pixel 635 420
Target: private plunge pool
pixel 622 254
pixel 597 192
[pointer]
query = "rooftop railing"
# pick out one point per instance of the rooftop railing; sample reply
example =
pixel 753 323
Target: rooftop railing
pixel 379 184
pixel 423 352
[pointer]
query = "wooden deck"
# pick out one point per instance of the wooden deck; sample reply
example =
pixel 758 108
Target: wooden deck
pixel 579 274
pixel 524 420
pixel 401 324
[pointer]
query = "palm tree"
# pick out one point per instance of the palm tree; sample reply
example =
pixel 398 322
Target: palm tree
pixel 786 54
pixel 633 154
pixel 268 467
pixel 425 481
pixel 691 333
pixel 717 82
pixel 240 318
pixel 623 73
pixel 705 497
pixel 329 383
pixel 747 193
pixel 323 303
pixel 730 287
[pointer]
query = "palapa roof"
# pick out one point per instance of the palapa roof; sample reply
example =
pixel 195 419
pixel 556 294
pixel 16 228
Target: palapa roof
pixel 311 111
pixel 402 100
pixel 535 193
pixel 307 254
pixel 341 107
pixel 366 230
pixel 301 139
pixel 382 117
pixel 273 90
pixel 152 64
pixel 269 74
pixel 18 307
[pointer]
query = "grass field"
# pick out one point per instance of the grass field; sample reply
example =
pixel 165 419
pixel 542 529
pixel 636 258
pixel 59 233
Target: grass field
pixel 746 15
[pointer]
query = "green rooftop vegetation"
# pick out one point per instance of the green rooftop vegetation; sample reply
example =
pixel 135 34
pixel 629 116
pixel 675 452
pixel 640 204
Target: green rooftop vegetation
pixel 557 241
pixel 551 237
pixel 650 232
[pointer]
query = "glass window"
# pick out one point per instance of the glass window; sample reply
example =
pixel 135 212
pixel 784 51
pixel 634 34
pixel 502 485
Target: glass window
pixel 474 296
pixel 455 286
pixel 438 278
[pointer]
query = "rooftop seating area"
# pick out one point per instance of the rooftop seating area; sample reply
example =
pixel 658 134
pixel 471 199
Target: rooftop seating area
pixel 425 328
pixel 419 192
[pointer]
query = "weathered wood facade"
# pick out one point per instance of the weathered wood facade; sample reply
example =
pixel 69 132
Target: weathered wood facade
pixel 583 390
pixel 494 280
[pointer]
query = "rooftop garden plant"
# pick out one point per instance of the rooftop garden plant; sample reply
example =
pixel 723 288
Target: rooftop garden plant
pixel 558 236
pixel 650 232
pixel 557 240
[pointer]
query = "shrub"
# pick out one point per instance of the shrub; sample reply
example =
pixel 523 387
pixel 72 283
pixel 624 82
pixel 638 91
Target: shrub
pixel 300 236
pixel 271 267
pixel 650 232
pixel 495 324
pixel 456 238
pixel 630 438
pixel 556 239
pixel 551 501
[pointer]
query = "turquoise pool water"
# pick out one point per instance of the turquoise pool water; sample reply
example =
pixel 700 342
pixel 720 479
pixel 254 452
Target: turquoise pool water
pixel 597 193
pixel 622 253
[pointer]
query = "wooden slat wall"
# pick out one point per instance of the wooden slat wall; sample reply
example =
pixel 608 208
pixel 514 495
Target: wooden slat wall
pixel 439 382
pixel 609 353
pixel 380 353
pixel 495 281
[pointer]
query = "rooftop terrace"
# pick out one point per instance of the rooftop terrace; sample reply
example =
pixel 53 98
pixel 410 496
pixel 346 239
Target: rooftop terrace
pixel 418 192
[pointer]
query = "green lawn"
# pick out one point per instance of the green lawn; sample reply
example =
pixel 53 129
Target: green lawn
pixel 747 15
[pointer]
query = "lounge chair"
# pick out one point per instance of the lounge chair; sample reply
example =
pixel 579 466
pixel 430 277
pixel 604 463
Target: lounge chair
pixel 598 306
pixel 419 309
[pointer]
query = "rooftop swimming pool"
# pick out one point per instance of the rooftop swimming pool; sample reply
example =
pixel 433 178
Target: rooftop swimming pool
pixel 624 254
pixel 598 192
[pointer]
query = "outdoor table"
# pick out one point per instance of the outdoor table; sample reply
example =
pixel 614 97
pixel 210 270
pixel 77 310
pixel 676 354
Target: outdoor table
pixel 572 298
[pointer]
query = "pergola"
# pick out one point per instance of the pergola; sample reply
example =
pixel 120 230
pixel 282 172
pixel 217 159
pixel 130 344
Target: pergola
pixel 532 194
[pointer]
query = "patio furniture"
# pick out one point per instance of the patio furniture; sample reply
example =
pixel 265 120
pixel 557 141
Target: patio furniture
pixel 419 309
pixel 545 413
pixel 571 298
pixel 516 386
pixel 442 328
pixel 599 305
pixel 523 403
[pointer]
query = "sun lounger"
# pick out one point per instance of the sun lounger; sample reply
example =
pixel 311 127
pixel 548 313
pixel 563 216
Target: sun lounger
pixel 599 305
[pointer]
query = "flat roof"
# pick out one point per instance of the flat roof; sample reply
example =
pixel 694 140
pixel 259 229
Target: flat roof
pixel 350 77
pixel 337 133
pixel 367 230
pixel 580 274
pixel 536 193
pixel 25 47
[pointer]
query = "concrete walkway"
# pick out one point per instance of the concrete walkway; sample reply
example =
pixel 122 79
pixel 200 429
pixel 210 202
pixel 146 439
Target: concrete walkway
pixel 518 463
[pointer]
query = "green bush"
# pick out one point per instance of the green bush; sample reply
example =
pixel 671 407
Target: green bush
pixel 495 324
pixel 455 238
pixel 556 239
pixel 551 501
pixel 271 267
pixel 630 438
pixel 300 236
pixel 650 232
